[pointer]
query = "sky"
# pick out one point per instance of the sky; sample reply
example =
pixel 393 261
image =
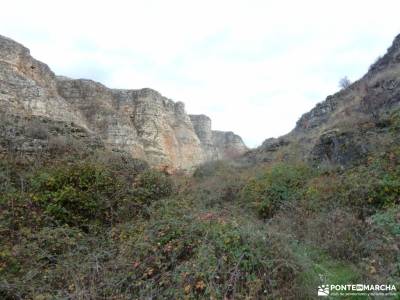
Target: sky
pixel 253 66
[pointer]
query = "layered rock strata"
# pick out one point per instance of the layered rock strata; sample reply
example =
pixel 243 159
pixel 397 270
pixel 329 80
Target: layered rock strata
pixel 141 122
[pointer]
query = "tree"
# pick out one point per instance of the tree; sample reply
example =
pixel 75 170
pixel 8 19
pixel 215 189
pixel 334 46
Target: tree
pixel 344 82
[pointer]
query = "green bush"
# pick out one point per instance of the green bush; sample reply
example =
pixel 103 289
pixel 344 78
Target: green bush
pixel 18 211
pixel 152 185
pixel 212 168
pixel 204 255
pixel 45 264
pixel 83 193
pixel 280 184
pixel 218 190
pixel 121 164
pixel 78 194
pixel 12 175
pixel 389 220
pixel 394 120
pixel 374 186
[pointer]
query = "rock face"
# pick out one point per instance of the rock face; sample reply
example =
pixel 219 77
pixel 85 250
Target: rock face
pixel 202 127
pixel 141 122
pixel 347 126
pixel 217 144
pixel 29 86
pixel 228 144
pixel 342 148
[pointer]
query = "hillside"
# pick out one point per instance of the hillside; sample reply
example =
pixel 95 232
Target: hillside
pixel 82 217
pixel 347 126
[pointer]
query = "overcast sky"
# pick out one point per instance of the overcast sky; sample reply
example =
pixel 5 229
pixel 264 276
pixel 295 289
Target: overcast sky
pixel 253 66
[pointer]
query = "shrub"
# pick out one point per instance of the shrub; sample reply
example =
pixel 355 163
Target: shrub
pixel 44 264
pixel 78 194
pixel 339 233
pixel 322 192
pixel 122 164
pixel 220 187
pixel 212 168
pixel 380 246
pixel 373 186
pixel 8 176
pixel 204 255
pixel 277 185
pixel 389 220
pixel 394 120
pixel 151 185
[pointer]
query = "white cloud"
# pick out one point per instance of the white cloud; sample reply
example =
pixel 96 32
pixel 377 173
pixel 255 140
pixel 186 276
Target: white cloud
pixel 254 66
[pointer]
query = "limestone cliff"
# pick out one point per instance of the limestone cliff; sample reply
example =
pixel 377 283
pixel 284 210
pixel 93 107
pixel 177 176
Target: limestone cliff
pixel 140 122
pixel 217 144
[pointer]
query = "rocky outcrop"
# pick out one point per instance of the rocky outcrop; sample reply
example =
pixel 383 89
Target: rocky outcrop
pixel 390 59
pixel 217 144
pixel 29 86
pixel 342 148
pixel 140 122
pixel 318 115
pixel 228 144
pixel 202 127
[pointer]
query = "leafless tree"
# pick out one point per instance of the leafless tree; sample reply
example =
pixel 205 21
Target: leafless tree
pixel 344 82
